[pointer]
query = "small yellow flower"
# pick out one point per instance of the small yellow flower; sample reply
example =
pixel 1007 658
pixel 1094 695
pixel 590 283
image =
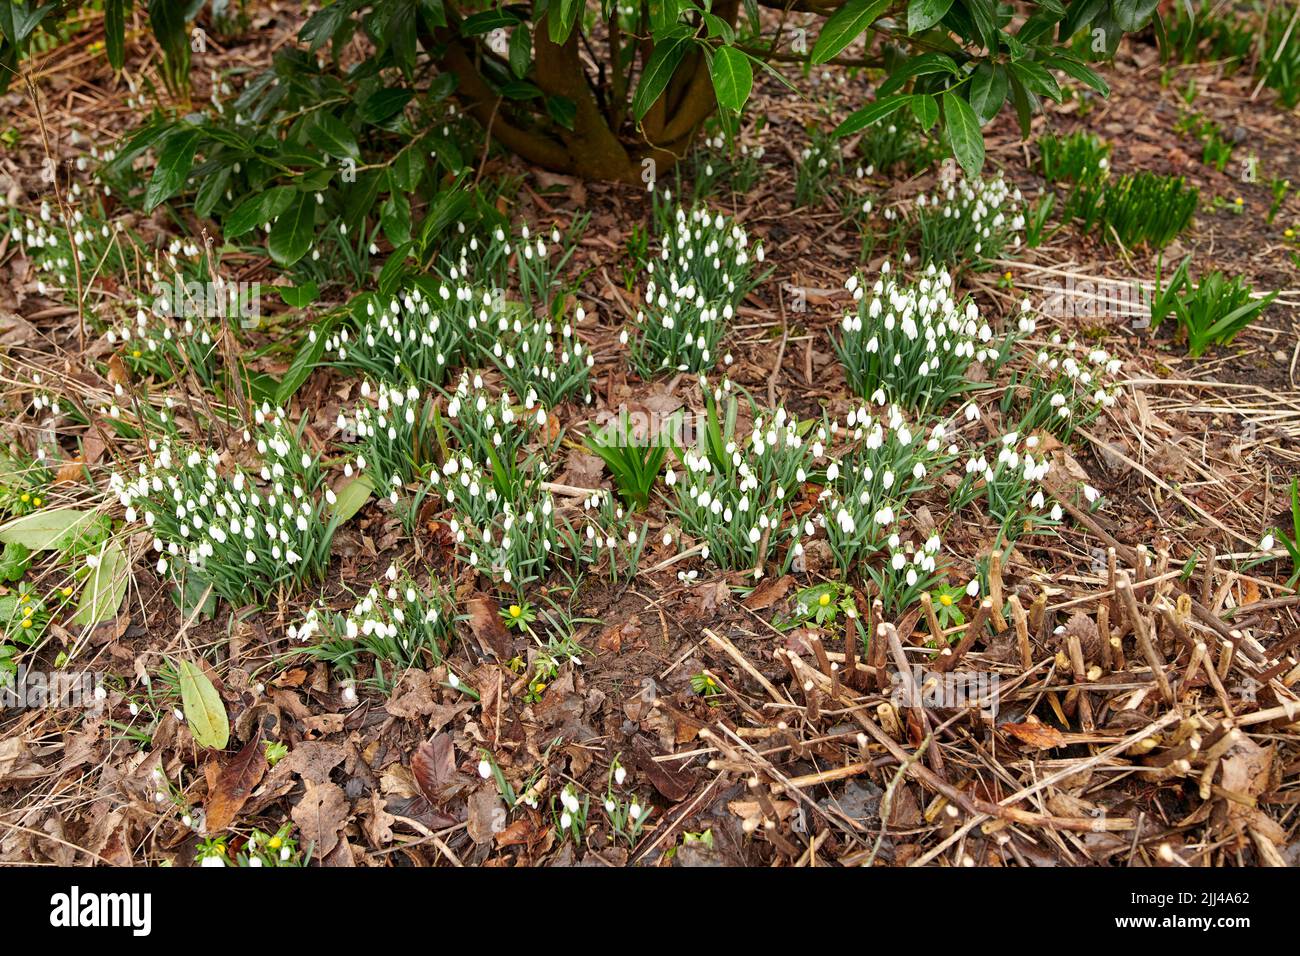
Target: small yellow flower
pixel 275 843
pixel 24 599
pixel 945 600
pixel 37 502
pixel 538 687
pixel 25 497
pixel 516 610
pixel 1238 201
pixel 27 622
pixel 1289 233
pixel 1007 275
pixel 66 591
pixel 824 600
pixel 136 353
pixel 27 612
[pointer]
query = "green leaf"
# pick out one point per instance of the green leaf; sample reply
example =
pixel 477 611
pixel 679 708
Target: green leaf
pixel 1037 78
pixel 385 103
pixel 733 77
pixel 563 110
pixel 331 135
pixel 521 50
pixel 46 530
pixel 658 71
pixel 1080 72
pixel 487 21
pixel 350 500
pixel 212 187
pixel 1078 15
pixel 298 297
pixel 106 588
pixel 926 110
pixel 923 14
pixel 203 708
pixel 293 232
pixel 14 561
pixel 922 65
pixel 258 209
pixel 1132 15
pixel 872 113
pixel 988 90
pixel 663 16
pixel 306 359
pixel 985 18
pixel 174 164
pixel 115 32
pixel 559 27
pixel 17 21
pixel 844 26
pixel 964 136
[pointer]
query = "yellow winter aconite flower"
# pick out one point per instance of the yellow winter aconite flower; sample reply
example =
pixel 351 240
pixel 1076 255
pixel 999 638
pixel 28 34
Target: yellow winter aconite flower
pixel 516 610
pixel 945 600
pixel 824 600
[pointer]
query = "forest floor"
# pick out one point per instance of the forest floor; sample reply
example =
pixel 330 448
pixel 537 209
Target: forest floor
pixel 1177 743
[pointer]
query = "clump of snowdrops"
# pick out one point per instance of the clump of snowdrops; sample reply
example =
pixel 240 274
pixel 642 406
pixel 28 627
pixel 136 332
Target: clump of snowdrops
pixel 246 532
pixel 913 342
pixel 704 268
pixel 396 623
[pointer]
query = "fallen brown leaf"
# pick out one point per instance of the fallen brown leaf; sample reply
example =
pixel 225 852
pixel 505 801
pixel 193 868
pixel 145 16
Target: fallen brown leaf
pixel 320 816
pixel 234 785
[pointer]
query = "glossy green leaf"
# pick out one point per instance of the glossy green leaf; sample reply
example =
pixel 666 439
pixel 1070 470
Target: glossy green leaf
pixel 964 135
pixel 353 496
pixel 658 71
pixel 845 25
pixel 293 232
pixel 115 31
pixel 733 77
pixel 1132 14
pixel 174 164
pixel 872 113
pixel 988 90
pixel 258 209
pixel 331 135
pixel 923 14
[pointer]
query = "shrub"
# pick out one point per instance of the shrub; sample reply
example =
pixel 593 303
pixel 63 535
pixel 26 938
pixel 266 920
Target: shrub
pixel 664 68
